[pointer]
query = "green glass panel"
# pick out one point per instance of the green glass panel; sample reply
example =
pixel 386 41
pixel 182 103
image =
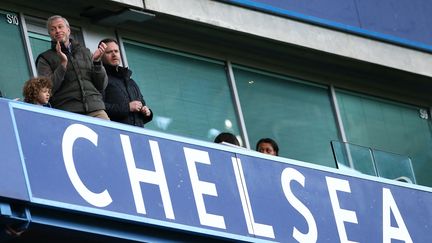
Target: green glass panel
pixel 297 115
pixel 39 43
pixel 189 96
pixel 394 166
pixel 390 127
pixel 14 69
pixel 354 157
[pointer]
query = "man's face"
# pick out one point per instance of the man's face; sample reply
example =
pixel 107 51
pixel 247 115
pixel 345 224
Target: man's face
pixel 266 148
pixel 112 54
pixel 59 31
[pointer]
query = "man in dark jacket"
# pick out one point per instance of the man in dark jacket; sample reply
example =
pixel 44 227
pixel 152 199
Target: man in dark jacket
pixel 78 76
pixel 123 99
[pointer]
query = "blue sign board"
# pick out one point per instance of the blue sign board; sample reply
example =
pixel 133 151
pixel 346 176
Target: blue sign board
pixel 12 182
pixel 99 167
pixel 401 22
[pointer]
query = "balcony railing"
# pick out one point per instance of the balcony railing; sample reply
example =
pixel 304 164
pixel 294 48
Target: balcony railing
pixel 372 161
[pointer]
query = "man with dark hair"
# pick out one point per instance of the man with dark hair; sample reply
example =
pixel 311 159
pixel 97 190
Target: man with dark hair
pixel 227 137
pixel 78 77
pixel 124 101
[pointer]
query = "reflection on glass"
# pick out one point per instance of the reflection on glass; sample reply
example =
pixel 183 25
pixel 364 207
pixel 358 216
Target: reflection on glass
pixel 228 124
pixel 162 122
pixel 212 133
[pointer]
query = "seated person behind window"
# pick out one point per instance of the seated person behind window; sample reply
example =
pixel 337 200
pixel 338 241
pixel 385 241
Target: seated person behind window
pixel 227 138
pixel 267 146
pixel 38 91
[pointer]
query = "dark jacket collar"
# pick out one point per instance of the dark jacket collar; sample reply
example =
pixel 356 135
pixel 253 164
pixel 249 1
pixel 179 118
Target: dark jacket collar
pixel 118 71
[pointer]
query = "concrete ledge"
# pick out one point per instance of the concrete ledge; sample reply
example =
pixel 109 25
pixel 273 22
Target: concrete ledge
pixel 298 33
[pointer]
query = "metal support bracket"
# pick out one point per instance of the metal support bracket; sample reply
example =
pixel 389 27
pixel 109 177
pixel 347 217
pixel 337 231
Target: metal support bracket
pixel 14 220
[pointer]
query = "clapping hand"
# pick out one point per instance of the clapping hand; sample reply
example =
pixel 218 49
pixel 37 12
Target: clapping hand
pixel 63 57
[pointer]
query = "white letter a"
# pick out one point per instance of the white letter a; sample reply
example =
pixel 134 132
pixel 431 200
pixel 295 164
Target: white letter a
pixel 389 232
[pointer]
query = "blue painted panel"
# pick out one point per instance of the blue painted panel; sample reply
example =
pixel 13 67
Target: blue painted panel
pixel 400 22
pixel 103 167
pixel 365 199
pixel 12 180
pixel 401 18
pixel 258 197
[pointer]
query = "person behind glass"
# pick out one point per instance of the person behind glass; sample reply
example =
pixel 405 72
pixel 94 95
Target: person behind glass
pixel 267 146
pixel 124 101
pixel 78 75
pixel 227 138
pixel 38 91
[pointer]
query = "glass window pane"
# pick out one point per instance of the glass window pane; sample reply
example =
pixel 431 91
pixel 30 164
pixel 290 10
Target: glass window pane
pixel 297 115
pixel 391 127
pixel 394 166
pixel 189 96
pixel 354 157
pixel 39 43
pixel 14 69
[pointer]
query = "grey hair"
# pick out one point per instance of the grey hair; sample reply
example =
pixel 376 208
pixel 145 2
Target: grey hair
pixel 54 17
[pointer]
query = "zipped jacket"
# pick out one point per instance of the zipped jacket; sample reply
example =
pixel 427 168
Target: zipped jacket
pixel 122 90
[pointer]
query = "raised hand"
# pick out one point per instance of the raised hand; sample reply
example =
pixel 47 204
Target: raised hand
pixel 63 57
pixel 97 55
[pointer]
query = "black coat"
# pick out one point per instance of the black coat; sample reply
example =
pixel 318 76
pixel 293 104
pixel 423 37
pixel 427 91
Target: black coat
pixel 122 90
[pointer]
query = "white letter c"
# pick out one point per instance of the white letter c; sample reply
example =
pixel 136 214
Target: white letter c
pixel 72 133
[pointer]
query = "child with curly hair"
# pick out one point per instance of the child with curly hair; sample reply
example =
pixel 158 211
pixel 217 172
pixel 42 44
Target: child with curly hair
pixel 38 91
